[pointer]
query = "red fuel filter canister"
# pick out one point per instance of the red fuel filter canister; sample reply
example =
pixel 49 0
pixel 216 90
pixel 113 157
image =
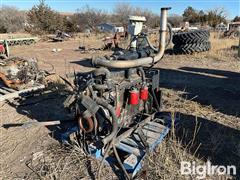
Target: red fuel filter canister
pixel 144 93
pixel 134 97
pixel 2 49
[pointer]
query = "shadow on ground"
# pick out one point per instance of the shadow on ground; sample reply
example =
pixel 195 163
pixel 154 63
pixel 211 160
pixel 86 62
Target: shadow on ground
pixel 210 140
pixel 83 62
pixel 46 108
pixel 220 89
pixel 218 143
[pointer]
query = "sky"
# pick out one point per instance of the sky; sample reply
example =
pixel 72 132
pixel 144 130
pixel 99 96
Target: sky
pixel 232 7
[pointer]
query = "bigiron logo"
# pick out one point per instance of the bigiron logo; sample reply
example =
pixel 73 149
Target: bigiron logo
pixel 207 169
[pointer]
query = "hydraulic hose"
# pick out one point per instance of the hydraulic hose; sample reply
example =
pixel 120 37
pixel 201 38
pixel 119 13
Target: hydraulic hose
pixel 102 71
pixel 140 69
pixel 142 61
pixel 119 162
pixel 150 45
pixel 169 27
pixel 114 119
pixel 103 159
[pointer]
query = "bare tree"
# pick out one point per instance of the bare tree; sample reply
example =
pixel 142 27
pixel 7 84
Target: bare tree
pixel 212 17
pixel 89 17
pixel 216 16
pixel 152 19
pixel 11 19
pixel 122 12
pixel 190 14
pixel 70 23
pixel 175 20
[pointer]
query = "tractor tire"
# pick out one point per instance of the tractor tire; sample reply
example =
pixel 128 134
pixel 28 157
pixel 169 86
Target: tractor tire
pixel 191 37
pixel 191 48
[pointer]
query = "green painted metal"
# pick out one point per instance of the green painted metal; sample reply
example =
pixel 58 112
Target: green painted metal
pixel 20 41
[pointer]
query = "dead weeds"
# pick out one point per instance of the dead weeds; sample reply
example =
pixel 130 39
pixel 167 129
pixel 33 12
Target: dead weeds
pixel 202 134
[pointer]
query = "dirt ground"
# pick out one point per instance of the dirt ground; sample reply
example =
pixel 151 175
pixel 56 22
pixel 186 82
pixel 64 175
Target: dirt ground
pixel 203 88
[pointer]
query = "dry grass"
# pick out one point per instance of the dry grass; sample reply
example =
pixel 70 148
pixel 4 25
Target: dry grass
pixel 64 162
pixel 221 43
pixel 211 134
pixel 164 163
pixel 198 142
pixel 221 47
pixel 57 162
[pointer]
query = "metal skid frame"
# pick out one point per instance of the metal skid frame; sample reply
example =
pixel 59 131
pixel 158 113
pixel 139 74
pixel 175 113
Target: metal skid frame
pixel 136 143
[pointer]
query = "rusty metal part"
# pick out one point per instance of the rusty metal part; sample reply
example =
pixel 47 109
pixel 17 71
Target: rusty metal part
pixel 9 83
pixel 18 73
pixel 86 121
pixel 60 36
pixel 114 40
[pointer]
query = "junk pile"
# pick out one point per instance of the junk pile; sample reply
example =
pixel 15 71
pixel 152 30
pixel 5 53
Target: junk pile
pixel 109 43
pixel 191 41
pixel 18 73
pixel 60 36
pixel 113 41
pixel 233 30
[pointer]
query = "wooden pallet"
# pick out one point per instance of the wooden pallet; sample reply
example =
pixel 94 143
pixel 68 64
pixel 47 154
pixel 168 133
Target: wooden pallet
pixel 8 93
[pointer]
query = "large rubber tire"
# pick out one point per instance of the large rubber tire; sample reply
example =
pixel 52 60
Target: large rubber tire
pixel 191 48
pixel 191 37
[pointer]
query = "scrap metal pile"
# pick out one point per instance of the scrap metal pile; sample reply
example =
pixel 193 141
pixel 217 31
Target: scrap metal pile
pixel 60 36
pixel 114 40
pixel 117 106
pixel 233 30
pixel 18 73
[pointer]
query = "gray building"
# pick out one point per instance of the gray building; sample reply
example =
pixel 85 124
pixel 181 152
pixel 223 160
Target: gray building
pixel 111 28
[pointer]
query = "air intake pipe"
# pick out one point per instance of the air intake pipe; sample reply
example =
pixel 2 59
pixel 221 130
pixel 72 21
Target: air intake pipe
pixel 122 64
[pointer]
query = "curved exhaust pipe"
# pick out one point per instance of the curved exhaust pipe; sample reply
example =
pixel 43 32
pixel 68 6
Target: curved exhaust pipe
pixel 142 61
